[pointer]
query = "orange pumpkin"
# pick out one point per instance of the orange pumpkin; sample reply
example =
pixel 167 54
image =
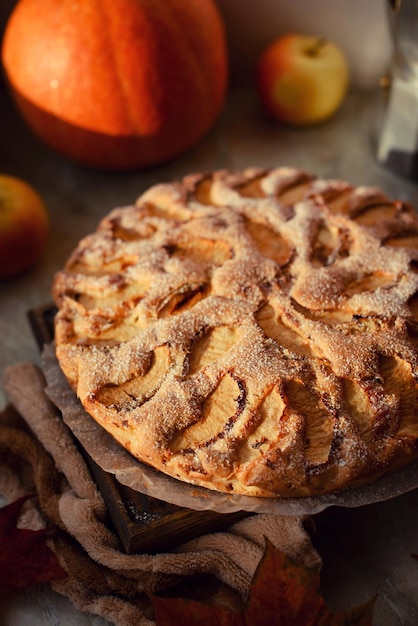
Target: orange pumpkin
pixel 117 84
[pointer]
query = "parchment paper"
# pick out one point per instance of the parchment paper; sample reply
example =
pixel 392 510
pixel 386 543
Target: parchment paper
pixel 112 458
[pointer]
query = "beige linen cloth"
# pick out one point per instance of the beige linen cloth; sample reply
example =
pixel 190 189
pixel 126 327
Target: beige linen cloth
pixel 38 455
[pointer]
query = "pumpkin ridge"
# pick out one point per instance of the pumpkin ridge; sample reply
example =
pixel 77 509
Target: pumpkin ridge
pixel 205 87
pixel 213 60
pixel 154 121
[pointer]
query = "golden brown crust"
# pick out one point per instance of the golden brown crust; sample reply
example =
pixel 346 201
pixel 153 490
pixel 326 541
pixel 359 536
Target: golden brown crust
pixel 254 332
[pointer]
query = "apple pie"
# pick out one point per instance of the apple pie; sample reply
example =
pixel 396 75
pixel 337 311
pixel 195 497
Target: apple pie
pixel 251 332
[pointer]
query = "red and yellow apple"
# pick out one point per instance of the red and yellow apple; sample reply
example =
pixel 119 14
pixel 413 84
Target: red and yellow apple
pixel 24 225
pixel 302 79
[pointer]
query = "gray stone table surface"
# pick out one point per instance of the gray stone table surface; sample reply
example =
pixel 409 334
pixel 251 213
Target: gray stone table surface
pixel 366 551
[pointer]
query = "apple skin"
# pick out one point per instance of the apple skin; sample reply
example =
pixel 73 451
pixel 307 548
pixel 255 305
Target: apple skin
pixel 302 79
pixel 24 226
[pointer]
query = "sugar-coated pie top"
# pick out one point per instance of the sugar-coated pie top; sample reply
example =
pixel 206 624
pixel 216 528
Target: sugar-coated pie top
pixel 253 332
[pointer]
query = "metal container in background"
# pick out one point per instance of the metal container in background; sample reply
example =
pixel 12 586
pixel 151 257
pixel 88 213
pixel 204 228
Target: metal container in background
pixel 397 146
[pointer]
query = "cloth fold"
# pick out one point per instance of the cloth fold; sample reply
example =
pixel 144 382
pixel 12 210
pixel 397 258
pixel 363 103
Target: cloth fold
pixel 38 454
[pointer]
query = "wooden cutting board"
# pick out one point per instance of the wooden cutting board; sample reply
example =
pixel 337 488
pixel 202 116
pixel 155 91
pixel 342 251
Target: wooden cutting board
pixel 143 524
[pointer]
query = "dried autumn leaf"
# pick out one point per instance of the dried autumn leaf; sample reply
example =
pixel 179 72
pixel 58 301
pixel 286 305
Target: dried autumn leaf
pixel 283 593
pixel 25 558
